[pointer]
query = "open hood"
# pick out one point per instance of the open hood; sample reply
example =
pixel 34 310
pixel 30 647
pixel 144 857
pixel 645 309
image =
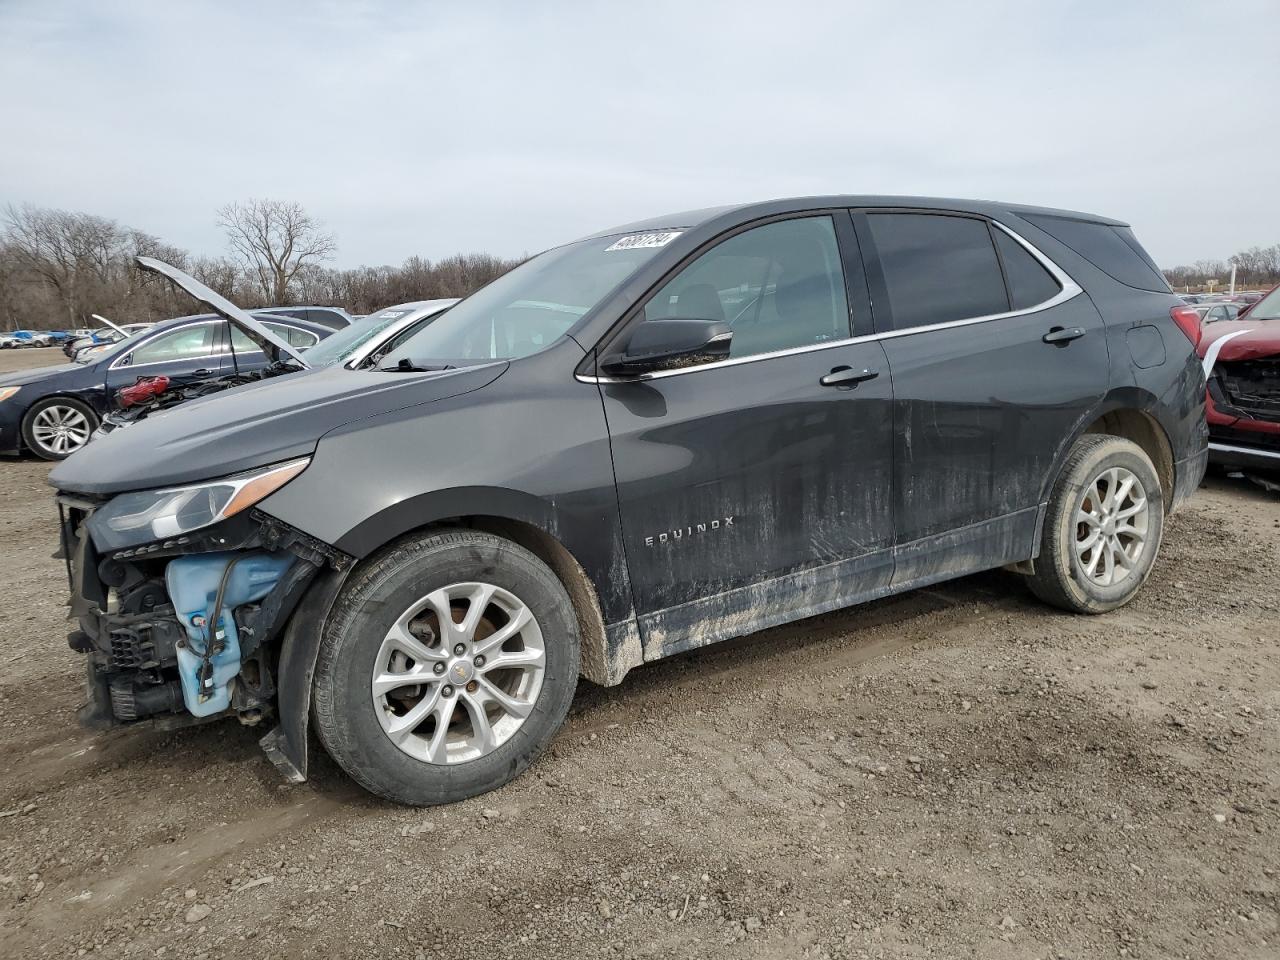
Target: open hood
pixel 101 319
pixel 275 348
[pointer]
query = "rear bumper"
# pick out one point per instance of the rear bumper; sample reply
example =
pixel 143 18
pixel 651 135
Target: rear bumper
pixel 1187 476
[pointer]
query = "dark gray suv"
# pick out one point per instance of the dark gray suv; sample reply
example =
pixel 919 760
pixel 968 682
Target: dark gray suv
pixel 655 438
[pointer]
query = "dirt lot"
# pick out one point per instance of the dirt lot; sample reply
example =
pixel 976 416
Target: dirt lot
pixel 956 772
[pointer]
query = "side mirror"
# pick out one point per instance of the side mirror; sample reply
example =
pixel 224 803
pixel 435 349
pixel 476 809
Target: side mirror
pixel 668 344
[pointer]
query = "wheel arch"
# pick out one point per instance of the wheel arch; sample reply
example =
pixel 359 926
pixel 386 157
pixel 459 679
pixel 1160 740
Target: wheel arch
pixel 1128 413
pixel 86 399
pixel 522 518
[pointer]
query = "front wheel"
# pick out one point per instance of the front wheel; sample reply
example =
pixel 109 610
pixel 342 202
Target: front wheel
pixel 57 427
pixel 448 663
pixel 1103 527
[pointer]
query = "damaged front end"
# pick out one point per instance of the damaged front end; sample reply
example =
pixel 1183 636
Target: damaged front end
pixel 182 596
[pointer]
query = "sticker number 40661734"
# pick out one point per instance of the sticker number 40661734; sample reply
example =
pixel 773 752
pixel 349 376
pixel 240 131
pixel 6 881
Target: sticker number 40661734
pixel 638 241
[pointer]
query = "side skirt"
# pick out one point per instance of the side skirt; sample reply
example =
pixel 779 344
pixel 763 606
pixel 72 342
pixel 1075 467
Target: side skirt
pixel 808 593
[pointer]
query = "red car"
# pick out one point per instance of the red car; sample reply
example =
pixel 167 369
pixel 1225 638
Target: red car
pixel 1241 360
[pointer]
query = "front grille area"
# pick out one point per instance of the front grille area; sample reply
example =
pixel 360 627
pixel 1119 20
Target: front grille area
pixel 1253 386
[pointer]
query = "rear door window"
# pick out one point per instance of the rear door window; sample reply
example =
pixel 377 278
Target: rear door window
pixel 1029 282
pixel 937 268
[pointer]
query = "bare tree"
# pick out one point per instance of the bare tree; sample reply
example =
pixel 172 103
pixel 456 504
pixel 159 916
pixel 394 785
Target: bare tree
pixel 275 239
pixel 74 254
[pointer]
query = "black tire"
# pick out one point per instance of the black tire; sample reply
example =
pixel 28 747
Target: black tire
pixel 45 451
pixel 1060 577
pixel 379 591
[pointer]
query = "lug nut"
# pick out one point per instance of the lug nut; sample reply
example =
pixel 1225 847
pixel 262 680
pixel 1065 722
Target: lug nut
pixel 447 691
pixel 473 686
pixel 479 661
pixel 439 668
pixel 459 649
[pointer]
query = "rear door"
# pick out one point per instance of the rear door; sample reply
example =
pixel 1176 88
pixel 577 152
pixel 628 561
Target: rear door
pixel 996 357
pixel 185 354
pixel 750 492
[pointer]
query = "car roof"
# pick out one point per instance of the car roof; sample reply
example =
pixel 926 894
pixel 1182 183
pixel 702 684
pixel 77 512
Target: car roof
pixel 412 305
pixel 694 218
pixel 162 325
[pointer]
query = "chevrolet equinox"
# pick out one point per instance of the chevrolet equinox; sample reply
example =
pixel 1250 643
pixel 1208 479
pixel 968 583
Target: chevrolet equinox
pixel 649 440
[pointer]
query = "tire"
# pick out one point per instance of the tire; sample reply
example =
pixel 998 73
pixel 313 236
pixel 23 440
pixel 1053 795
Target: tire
pixel 43 422
pixel 365 636
pixel 1072 576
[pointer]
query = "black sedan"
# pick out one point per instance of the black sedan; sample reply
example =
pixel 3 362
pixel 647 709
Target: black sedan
pixel 52 411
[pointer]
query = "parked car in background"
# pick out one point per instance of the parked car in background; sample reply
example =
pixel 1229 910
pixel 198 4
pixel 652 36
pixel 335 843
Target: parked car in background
pixel 1213 312
pixel 358 346
pixel 53 411
pixel 657 437
pixel 26 338
pixel 103 336
pixel 1241 361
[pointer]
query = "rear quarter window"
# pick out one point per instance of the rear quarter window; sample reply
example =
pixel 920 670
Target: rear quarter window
pixel 1113 250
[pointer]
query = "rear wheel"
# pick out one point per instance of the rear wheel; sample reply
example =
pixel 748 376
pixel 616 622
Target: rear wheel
pixel 447 665
pixel 1103 527
pixel 57 427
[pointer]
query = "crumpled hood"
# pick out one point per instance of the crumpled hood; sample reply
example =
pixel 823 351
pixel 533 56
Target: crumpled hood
pixel 1259 339
pixel 237 430
pixel 20 377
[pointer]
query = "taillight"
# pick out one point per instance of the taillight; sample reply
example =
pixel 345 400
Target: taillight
pixel 1188 322
pixel 142 391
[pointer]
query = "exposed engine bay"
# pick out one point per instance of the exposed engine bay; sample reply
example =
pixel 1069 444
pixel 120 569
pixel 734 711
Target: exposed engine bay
pixel 150 395
pixel 183 630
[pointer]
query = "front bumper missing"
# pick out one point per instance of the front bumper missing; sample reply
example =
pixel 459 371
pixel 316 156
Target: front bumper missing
pixel 130 632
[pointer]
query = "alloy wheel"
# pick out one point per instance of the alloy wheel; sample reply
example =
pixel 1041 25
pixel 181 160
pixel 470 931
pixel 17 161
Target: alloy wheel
pixel 60 429
pixel 1111 526
pixel 458 673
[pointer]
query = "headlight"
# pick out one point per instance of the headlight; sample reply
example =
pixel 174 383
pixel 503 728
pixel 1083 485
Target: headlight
pixel 7 392
pixel 134 518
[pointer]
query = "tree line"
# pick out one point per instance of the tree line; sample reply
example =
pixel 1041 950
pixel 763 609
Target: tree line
pixel 58 267
pixel 1256 268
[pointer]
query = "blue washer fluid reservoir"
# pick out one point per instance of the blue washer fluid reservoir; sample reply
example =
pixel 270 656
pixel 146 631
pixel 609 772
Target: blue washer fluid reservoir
pixel 193 587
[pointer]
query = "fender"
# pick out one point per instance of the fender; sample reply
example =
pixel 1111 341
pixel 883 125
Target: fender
pixel 431 507
pixel 286 745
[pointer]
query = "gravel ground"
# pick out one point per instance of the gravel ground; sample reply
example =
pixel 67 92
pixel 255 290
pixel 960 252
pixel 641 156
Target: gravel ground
pixel 956 772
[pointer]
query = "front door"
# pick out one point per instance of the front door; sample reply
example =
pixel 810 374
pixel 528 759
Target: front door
pixel 751 492
pixel 996 357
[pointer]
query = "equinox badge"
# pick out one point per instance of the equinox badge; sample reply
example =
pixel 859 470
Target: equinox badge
pixel 690 531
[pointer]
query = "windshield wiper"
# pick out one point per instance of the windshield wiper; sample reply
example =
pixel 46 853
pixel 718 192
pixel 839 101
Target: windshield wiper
pixel 408 366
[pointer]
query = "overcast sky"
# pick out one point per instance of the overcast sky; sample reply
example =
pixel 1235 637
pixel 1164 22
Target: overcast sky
pixel 433 128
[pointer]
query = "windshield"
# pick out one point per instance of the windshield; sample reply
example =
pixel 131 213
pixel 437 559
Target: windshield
pixel 337 347
pixel 530 308
pixel 1268 308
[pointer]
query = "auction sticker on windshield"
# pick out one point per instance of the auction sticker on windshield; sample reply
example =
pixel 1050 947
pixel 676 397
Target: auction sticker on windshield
pixel 638 241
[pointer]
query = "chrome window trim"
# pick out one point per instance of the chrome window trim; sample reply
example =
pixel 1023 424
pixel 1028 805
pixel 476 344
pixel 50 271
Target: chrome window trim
pixel 117 365
pixel 1069 289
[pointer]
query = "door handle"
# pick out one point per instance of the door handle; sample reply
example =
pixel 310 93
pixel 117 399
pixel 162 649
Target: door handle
pixel 847 377
pixel 1061 336
pixel 202 372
